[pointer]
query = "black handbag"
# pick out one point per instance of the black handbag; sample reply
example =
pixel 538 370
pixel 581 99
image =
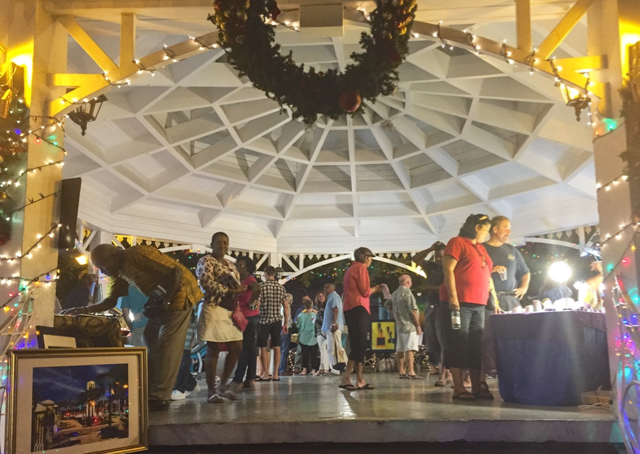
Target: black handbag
pixel 155 309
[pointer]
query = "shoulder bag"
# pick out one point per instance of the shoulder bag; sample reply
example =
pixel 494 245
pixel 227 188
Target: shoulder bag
pixel 239 319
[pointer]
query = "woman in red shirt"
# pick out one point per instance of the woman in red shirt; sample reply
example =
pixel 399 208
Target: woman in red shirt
pixel 357 289
pixel 467 279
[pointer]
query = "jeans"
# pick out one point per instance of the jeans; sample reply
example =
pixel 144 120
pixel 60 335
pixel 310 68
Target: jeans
pixel 248 357
pixel 463 348
pixel 285 348
pixel 185 381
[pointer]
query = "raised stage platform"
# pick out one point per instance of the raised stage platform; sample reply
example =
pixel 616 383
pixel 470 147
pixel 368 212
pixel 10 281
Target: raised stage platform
pixel 313 409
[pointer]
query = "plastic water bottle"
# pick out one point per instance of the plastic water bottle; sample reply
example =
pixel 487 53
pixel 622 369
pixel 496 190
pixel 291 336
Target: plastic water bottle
pixel 455 319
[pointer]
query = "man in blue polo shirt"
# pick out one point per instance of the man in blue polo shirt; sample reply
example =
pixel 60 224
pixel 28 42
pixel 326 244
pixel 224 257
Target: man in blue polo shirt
pixel 333 325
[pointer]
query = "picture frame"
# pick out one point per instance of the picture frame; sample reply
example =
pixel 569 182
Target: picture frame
pixel 80 400
pixel 54 338
pixel 383 336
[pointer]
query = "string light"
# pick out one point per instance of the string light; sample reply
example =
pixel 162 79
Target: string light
pixel 532 61
pixel 169 54
pixel 202 45
pixel 621 179
pixel 439 35
pixel 31 170
pixel 471 39
pixel 618 235
pixel 506 54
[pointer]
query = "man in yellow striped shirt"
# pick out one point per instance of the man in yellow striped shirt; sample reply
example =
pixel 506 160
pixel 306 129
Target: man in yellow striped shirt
pixel 147 268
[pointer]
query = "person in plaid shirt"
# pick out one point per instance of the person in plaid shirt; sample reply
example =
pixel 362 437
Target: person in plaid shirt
pixel 273 297
pixel 186 382
pixel 147 268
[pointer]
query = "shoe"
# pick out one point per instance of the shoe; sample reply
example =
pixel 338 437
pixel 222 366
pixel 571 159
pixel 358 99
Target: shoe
pixel 158 405
pixel 179 395
pixel 236 386
pixel 335 371
pixel 484 392
pixel 465 395
pixel 227 393
pixel 215 399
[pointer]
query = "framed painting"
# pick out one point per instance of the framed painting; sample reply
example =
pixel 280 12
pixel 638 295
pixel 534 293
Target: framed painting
pixel 383 336
pixel 72 401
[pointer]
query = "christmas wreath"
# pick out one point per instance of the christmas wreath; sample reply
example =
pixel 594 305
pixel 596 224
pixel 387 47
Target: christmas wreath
pixel 248 36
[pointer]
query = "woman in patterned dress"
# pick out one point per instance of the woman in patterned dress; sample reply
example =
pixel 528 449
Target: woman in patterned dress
pixel 219 280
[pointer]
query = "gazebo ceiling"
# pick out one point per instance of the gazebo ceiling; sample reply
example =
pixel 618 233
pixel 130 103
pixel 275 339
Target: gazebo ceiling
pixel 195 149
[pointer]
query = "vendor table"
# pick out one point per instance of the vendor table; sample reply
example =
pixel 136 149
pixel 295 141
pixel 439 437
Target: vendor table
pixel 547 358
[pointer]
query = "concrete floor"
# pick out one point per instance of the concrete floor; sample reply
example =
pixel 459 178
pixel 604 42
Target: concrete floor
pixel 313 409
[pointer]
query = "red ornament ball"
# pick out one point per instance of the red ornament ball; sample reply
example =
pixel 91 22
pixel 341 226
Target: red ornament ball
pixel 350 100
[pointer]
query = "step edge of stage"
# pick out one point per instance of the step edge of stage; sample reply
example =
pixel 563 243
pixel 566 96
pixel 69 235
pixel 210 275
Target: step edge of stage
pixel 376 431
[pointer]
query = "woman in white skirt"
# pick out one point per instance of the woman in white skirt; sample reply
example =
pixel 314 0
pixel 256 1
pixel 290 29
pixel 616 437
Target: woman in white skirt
pixel 220 282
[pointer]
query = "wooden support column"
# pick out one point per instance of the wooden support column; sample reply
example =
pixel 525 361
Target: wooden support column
pixel 523 25
pixel 564 27
pixel 617 160
pixel 128 43
pixel 37 42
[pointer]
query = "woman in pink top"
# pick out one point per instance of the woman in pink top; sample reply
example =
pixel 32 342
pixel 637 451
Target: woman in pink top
pixel 357 290
pixel 249 302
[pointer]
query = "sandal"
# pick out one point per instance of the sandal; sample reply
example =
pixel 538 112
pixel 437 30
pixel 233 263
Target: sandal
pixel 215 399
pixel 415 377
pixel 404 377
pixel 484 392
pixel 439 383
pixel 465 395
pixel 348 387
pixel 366 386
pixel 262 379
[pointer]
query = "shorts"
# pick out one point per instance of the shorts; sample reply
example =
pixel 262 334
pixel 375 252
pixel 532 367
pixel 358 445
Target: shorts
pixel 407 342
pixel 270 330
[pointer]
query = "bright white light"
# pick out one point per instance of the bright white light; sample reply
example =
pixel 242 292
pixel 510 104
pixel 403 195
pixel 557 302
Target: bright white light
pixel 81 259
pixel 559 271
pixel 132 317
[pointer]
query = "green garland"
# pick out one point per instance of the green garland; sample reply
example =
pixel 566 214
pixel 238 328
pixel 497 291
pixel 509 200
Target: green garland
pixel 250 44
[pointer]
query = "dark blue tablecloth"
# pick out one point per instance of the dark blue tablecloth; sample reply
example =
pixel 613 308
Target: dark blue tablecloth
pixel 547 358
